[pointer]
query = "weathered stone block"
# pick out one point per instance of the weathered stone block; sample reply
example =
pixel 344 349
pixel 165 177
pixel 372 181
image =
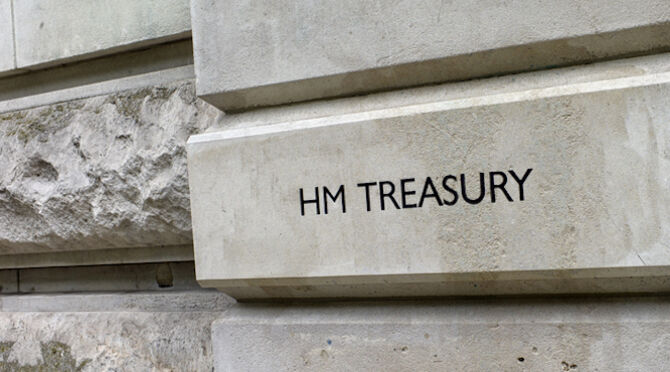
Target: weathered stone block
pixel 519 335
pixel 256 53
pixel 558 183
pixel 101 172
pixel 6 37
pixel 123 332
pixel 55 31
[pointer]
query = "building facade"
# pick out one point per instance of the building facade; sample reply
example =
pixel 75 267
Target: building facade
pixel 323 186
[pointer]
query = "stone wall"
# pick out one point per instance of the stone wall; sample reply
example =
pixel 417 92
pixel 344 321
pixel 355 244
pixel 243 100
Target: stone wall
pixel 97 265
pixel 109 332
pixel 101 172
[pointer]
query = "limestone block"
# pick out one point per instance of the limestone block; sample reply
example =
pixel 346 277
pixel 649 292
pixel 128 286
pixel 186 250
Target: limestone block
pixel 101 172
pixel 6 37
pixel 520 335
pixel 492 193
pixel 121 333
pixel 256 53
pixel 55 31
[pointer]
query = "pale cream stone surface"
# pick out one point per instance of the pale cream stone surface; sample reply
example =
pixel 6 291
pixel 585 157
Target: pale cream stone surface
pixel 562 334
pixel 101 172
pixel 156 65
pixel 110 332
pixel 54 31
pixel 597 196
pixel 6 37
pixel 257 53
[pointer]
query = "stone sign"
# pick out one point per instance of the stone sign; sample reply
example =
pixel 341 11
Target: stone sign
pixel 562 182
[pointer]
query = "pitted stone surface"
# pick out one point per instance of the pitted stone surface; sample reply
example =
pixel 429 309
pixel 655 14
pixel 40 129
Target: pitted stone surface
pixel 629 334
pixel 107 341
pixel 102 172
pixel 110 332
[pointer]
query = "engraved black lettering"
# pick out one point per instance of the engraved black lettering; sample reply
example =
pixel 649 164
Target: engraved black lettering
pixel 383 195
pixel 521 181
pixel 453 192
pixel 309 201
pixel 404 193
pixel 482 190
pixel 327 194
pixel 501 186
pixel 367 192
pixel 426 193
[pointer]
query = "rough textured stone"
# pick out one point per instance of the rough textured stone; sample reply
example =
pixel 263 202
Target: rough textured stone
pixel 200 300
pixel 55 31
pixel 6 37
pixel 120 332
pixel 597 196
pixel 488 335
pixel 106 341
pixel 255 53
pixel 102 172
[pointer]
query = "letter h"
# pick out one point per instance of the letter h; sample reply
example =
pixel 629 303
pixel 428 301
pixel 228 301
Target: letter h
pixel 315 201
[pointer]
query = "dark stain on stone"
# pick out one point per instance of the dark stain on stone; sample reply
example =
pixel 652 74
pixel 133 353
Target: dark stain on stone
pixel 76 142
pixel 5 349
pixel 130 104
pixel 164 277
pixel 568 366
pixel 56 356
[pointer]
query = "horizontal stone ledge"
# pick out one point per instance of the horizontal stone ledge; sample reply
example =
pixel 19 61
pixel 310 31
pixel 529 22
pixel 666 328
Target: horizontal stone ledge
pixel 161 276
pixel 462 335
pixel 629 280
pixel 173 253
pixel 53 32
pixel 263 54
pixel 158 65
pixel 192 300
pixel 555 179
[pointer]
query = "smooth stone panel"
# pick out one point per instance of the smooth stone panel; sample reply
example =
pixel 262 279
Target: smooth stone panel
pixel 628 334
pixel 6 37
pixel 51 32
pixel 260 53
pixel 595 205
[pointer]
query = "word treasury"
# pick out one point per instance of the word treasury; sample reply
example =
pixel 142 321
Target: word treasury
pixel 417 193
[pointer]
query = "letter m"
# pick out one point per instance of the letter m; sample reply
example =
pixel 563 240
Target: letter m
pixel 339 194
